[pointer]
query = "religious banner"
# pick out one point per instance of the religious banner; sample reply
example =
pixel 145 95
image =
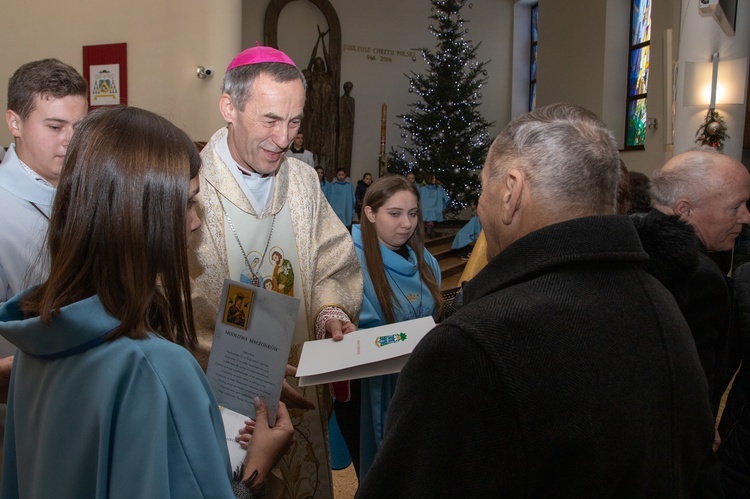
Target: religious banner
pixel 105 68
pixel 104 87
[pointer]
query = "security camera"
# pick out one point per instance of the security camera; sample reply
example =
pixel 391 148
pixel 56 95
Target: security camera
pixel 204 72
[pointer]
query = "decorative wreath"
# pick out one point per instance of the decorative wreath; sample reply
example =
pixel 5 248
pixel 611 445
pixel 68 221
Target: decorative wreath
pixel 713 131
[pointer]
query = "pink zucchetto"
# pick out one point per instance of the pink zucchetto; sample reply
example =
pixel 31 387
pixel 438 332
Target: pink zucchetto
pixel 259 54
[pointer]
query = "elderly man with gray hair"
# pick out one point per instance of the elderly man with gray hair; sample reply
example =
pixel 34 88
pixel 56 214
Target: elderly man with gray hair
pixel 569 371
pixel 708 191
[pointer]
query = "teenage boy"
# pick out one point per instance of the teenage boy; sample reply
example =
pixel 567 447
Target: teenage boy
pixel 45 100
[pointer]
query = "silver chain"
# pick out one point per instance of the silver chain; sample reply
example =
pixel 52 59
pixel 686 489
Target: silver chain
pixel 237 238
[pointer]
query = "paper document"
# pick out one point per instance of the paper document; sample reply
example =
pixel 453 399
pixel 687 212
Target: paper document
pixel 233 422
pixel 251 345
pixel 361 354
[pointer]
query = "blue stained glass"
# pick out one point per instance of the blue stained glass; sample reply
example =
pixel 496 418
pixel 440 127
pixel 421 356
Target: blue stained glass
pixel 638 68
pixel 640 30
pixel 534 23
pixel 532 96
pixel 638 77
pixel 533 63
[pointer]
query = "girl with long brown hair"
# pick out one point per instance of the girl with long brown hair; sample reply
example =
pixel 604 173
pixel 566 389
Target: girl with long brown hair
pixel 103 379
pixel 401 282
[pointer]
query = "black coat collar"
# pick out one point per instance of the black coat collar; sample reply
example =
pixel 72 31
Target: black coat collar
pixel 610 238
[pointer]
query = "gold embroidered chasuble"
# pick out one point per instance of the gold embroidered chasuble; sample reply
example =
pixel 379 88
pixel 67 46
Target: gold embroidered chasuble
pixel 329 275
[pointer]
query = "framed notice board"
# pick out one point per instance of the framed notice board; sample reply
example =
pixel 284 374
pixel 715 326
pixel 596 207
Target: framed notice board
pixel 105 68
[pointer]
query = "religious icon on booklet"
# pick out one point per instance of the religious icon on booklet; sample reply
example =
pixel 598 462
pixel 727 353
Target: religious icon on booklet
pixel 237 308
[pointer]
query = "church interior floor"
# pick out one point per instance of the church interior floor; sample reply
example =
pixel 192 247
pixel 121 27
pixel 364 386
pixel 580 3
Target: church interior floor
pixel 344 483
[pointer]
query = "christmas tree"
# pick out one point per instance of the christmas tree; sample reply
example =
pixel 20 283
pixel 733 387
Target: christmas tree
pixel 444 132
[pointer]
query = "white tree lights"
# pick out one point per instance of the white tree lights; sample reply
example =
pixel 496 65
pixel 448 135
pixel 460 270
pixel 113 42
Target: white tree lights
pixel 444 133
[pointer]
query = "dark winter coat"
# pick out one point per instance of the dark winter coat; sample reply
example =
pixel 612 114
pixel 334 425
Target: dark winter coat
pixel 680 262
pixel 569 372
pixel 671 247
pixel 359 195
pixel 710 315
pixel 734 453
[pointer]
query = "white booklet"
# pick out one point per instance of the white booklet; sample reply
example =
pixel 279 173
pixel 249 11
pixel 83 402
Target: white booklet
pixel 361 354
pixel 251 345
pixel 233 422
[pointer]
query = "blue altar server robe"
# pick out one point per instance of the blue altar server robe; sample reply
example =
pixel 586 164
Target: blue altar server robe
pixel 413 301
pixel 325 186
pixel 468 233
pixel 434 201
pixel 116 419
pixel 341 199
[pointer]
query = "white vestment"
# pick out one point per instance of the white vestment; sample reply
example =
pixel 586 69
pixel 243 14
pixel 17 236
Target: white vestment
pixel 327 273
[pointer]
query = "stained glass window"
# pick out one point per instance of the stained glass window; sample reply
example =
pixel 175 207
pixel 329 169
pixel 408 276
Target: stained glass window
pixel 532 63
pixel 640 47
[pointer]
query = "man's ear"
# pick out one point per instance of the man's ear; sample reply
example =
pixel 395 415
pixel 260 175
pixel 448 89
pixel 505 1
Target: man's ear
pixel 515 183
pixel 683 207
pixel 227 109
pixel 14 123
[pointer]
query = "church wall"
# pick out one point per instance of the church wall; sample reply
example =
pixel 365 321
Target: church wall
pixel 583 61
pixel 379 40
pixel 166 41
pixel 571 54
pixel 706 37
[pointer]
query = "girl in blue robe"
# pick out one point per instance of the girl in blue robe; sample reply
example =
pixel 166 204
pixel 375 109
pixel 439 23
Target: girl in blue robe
pixel 325 185
pixel 401 282
pixel 469 233
pixel 434 202
pixel 341 198
pixel 105 399
pixel 412 180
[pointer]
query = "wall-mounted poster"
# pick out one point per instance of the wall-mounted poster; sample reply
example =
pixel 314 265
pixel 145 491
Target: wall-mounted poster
pixel 105 68
pixel 104 86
